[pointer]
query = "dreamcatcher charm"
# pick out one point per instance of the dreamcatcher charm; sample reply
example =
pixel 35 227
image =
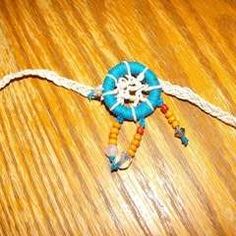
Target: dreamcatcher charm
pixel 131 92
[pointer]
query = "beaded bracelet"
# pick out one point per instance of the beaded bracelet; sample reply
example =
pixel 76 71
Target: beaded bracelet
pixel 131 92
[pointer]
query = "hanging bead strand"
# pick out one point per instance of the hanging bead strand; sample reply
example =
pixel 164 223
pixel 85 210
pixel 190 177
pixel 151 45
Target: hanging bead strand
pixel 127 157
pixel 179 131
pixel 111 150
pixel 135 143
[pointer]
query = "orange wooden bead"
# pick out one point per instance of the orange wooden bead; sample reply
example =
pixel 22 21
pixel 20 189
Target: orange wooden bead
pixel 113 136
pixel 131 153
pixel 168 114
pixel 175 124
pixel 116 125
pixel 112 141
pixel 133 147
pixel 135 142
pixel 171 119
pixel 138 137
pixel 114 130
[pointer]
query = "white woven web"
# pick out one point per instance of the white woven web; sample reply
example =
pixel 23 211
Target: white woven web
pixel 183 93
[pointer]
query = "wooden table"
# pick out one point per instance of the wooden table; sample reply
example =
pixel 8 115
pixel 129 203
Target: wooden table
pixel 54 177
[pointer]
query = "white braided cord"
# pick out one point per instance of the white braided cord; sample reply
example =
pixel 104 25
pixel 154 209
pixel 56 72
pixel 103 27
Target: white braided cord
pixel 82 89
pixel 183 93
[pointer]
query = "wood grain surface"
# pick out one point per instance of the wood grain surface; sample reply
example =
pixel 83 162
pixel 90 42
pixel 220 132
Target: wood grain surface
pixel 54 177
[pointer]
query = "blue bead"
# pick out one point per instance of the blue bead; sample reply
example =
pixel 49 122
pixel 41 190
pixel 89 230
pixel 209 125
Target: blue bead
pixel 184 140
pixel 115 166
pixel 91 95
pixel 111 158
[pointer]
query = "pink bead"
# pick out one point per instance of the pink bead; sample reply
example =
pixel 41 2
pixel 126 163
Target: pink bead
pixel 111 150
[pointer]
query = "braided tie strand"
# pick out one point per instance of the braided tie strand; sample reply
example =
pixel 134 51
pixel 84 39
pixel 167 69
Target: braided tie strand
pixel 182 93
pixel 185 93
pixel 60 81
